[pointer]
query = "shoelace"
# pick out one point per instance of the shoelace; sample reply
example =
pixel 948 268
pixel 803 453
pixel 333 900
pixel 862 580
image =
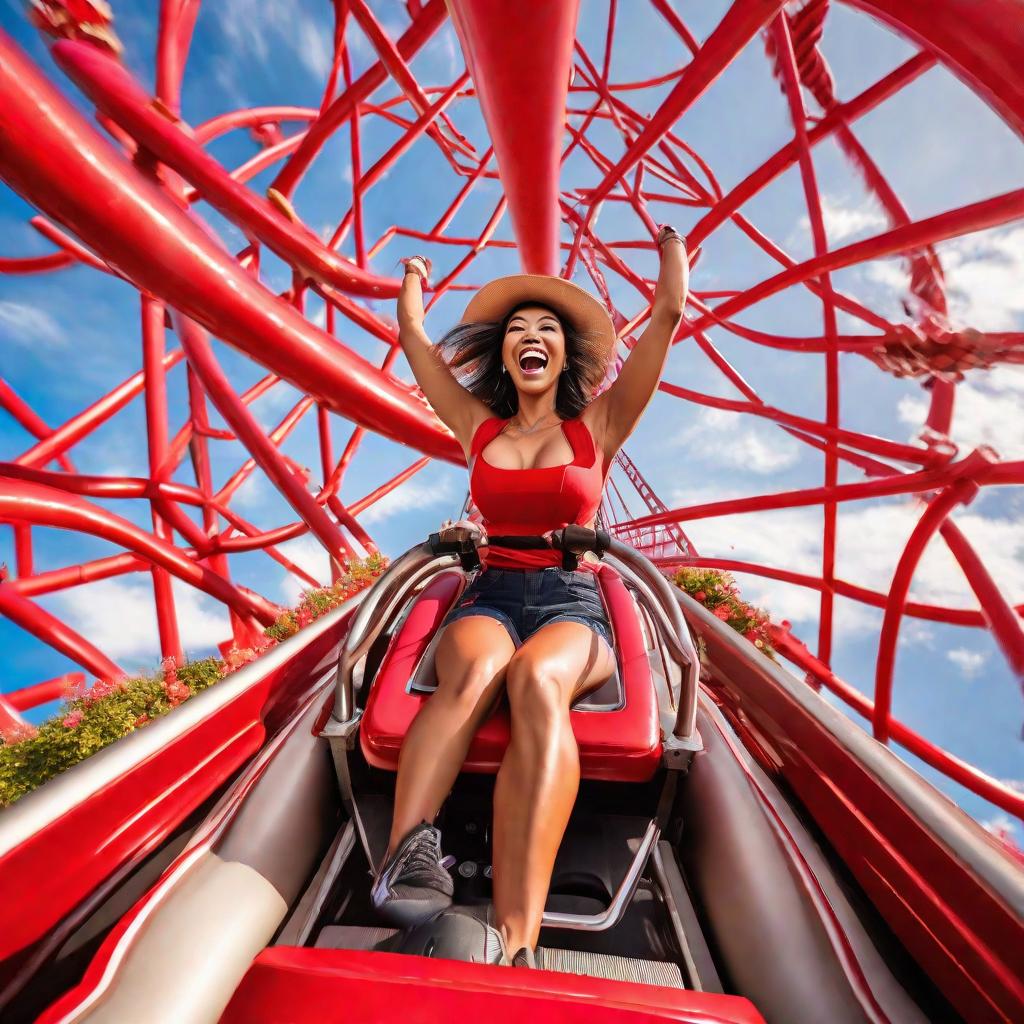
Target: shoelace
pixel 423 855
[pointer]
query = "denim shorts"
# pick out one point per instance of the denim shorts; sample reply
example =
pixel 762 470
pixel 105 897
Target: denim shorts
pixel 524 600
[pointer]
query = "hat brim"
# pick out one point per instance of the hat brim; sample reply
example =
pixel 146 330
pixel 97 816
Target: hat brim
pixel 572 303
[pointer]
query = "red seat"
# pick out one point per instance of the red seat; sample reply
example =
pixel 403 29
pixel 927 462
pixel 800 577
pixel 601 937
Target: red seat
pixel 619 738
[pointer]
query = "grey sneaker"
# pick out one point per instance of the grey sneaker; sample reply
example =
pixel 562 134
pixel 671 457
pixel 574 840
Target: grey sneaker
pixel 413 885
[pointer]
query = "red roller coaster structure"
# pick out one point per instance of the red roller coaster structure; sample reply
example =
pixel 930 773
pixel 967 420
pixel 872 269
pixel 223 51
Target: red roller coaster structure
pixel 118 197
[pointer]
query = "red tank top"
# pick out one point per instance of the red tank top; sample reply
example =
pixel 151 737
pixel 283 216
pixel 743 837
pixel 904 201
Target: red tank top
pixel 524 502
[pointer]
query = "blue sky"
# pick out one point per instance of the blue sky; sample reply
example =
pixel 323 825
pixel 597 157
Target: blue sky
pixel 67 338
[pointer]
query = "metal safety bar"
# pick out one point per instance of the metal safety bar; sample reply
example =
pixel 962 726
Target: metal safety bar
pixel 620 901
pixel 375 613
pixel 658 597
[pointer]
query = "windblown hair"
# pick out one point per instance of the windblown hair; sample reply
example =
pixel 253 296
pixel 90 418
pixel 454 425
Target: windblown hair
pixel 473 353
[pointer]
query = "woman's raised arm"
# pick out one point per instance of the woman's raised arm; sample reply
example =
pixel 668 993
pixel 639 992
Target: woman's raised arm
pixel 614 414
pixel 459 410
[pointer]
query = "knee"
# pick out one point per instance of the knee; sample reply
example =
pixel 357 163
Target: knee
pixel 469 685
pixel 534 692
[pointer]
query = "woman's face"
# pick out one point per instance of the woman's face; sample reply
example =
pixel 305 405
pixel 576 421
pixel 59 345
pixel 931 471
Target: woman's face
pixel 534 349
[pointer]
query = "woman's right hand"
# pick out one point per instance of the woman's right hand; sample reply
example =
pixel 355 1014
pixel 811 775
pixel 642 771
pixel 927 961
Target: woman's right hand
pixel 418 265
pixel 464 529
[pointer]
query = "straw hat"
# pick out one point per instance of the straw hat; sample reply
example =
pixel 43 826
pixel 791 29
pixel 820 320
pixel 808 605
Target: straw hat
pixel 572 303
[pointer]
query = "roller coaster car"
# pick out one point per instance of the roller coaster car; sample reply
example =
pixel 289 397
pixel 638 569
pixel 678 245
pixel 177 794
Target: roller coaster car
pixel 688 886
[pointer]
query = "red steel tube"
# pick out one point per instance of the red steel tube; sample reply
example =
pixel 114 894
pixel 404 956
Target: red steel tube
pixel 50 154
pixel 154 374
pixel 114 91
pixel 244 424
pixel 740 24
pixel 21 501
pixel 962 490
pixel 977 781
pixel 525 112
pixel 71 432
pixel 42 693
pixel 427 21
pixel 29 419
pixel 1000 616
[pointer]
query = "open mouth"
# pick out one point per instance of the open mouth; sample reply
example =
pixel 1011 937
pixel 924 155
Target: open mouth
pixel 532 361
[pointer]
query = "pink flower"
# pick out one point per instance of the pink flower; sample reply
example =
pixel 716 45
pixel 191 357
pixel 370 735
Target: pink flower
pixel 304 616
pixel 18 733
pixel 174 688
pixel 700 596
pixel 239 656
pixel 723 612
pixel 73 686
pixel 73 719
pixel 751 635
pixel 102 688
pixel 140 721
pixel 177 692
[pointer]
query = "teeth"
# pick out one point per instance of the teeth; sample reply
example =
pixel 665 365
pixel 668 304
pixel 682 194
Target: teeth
pixel 539 357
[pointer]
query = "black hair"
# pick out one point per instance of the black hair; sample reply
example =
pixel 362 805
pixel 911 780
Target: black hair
pixel 473 352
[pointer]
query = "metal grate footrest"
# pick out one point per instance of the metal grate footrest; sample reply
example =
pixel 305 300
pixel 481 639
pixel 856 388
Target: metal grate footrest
pixel 614 968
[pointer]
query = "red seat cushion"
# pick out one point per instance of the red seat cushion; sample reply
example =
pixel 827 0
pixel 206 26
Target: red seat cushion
pixel 622 745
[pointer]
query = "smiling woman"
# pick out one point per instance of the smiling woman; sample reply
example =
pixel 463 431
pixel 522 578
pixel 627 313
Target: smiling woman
pixel 517 391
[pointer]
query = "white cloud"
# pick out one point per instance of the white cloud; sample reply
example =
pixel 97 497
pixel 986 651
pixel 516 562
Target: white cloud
pixel 119 617
pixel 969 662
pixel 983 274
pixel 746 447
pixel 29 326
pixel 310 556
pixel 842 222
pixel 315 47
pixel 788 538
pixel 989 409
pixel 916 631
pixel 257 29
pixel 254 493
pixel 413 494
pixel 1002 826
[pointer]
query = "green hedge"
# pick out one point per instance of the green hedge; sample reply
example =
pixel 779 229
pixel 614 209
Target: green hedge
pixel 91 719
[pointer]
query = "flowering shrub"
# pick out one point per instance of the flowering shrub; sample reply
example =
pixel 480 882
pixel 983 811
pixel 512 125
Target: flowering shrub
pixel 718 592
pixel 315 603
pixel 94 717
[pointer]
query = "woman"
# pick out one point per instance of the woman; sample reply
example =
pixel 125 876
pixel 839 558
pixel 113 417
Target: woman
pixel 517 395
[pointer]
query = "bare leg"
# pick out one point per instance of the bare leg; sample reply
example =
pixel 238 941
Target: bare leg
pixel 539 778
pixel 472 656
